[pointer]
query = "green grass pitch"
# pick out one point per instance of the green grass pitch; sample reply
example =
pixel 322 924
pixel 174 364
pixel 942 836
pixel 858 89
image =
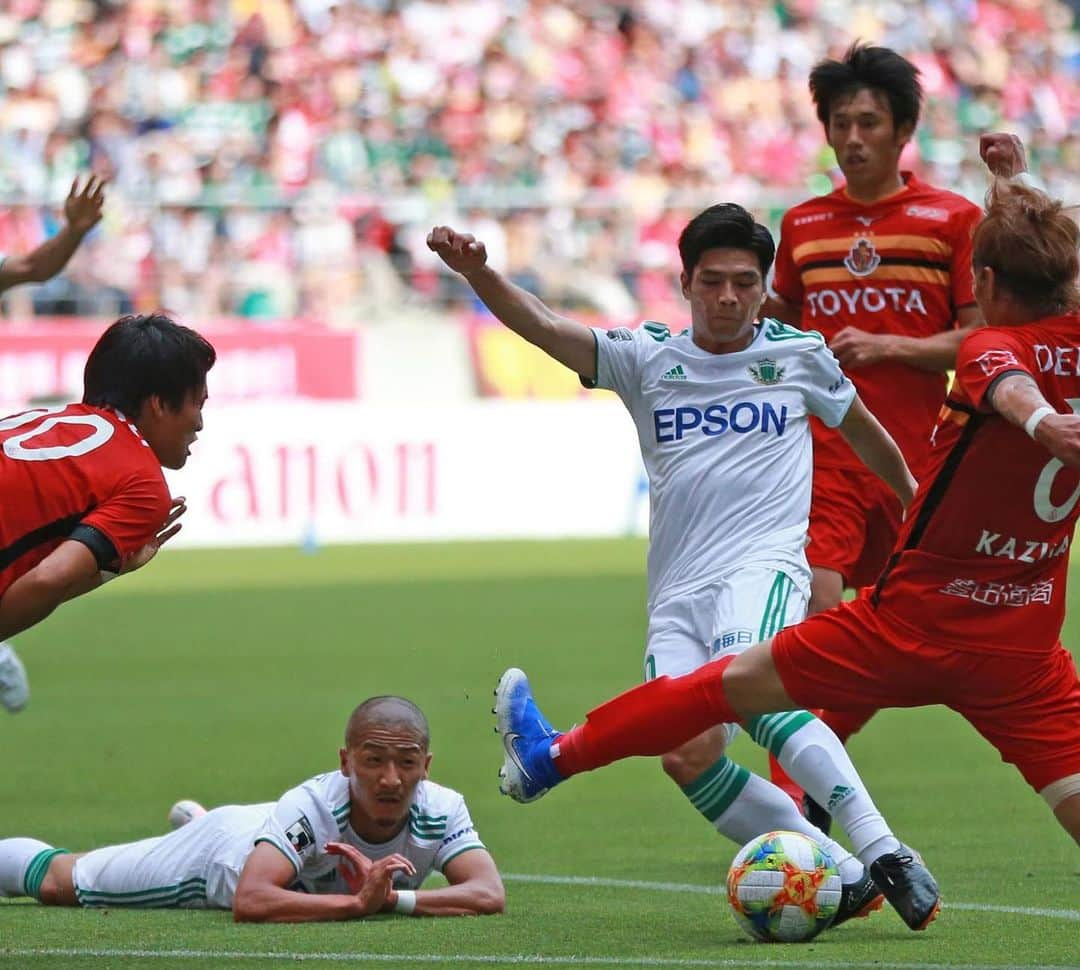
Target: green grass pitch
pixel 227 676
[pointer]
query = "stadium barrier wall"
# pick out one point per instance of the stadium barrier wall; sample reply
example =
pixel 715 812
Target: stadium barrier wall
pixel 44 360
pixel 312 472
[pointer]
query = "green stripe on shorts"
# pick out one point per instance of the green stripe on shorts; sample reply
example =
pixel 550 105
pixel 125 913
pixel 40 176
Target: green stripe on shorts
pixel 139 895
pixel 772 620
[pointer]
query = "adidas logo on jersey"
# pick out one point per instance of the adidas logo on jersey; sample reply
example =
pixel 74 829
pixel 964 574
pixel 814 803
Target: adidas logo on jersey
pixel 675 374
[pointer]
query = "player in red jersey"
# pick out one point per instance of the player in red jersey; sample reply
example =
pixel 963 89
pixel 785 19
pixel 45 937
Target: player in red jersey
pixel 84 495
pixel 882 269
pixel 969 609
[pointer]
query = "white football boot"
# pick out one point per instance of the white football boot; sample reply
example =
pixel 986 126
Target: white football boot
pixel 14 687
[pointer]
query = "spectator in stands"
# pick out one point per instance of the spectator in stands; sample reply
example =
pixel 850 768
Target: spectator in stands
pixel 550 109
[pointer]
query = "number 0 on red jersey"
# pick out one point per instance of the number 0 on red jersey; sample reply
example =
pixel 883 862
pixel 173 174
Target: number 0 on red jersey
pixel 77 472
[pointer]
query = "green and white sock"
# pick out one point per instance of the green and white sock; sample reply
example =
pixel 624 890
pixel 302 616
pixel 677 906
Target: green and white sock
pixel 742 806
pixel 23 864
pixel 814 757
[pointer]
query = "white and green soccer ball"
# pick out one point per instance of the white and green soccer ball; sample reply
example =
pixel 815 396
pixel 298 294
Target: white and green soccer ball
pixel 783 888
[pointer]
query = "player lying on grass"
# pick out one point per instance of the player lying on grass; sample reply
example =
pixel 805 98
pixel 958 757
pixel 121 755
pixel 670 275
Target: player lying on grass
pixel 84 495
pixel 722 413
pixel 968 612
pixel 342 845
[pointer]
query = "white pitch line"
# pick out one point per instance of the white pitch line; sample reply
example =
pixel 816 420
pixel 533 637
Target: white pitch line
pixel 513 958
pixel 718 890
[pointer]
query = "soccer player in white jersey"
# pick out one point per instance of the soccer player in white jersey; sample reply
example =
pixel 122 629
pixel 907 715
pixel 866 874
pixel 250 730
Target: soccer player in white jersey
pixel 342 845
pixel 722 414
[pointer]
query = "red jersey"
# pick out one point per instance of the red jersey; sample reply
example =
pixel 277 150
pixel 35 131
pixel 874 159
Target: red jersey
pixel 901 265
pixel 77 472
pixel 982 559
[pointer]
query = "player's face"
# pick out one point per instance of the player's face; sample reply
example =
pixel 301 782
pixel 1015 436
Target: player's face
pixel 866 142
pixel 725 291
pixel 171 432
pixel 384 766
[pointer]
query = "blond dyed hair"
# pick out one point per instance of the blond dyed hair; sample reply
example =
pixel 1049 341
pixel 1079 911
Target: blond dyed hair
pixel 1030 241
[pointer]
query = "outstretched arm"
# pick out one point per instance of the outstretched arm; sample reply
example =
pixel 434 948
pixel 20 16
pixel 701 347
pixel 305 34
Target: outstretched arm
pixel 82 210
pixel 877 450
pixel 70 570
pixel 1017 398
pixel 568 342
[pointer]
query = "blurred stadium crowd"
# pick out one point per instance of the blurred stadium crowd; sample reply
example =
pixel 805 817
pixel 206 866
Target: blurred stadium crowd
pixel 285 158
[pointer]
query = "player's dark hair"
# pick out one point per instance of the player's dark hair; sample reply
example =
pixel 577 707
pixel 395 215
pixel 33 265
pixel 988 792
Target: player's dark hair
pixel 877 69
pixel 1030 242
pixel 725 226
pixel 387 710
pixel 146 356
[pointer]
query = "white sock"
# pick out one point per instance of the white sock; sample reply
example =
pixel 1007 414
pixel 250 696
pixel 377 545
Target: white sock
pixel 762 807
pixel 15 856
pixel 814 757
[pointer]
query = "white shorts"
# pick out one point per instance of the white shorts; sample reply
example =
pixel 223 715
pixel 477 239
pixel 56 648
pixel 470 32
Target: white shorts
pixel 195 867
pixel 748 605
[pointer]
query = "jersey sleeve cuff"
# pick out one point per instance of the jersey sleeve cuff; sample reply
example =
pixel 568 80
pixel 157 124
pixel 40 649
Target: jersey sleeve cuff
pixel 270 841
pixel 586 382
pixel 458 851
pixel 842 412
pixel 988 394
pixel 98 543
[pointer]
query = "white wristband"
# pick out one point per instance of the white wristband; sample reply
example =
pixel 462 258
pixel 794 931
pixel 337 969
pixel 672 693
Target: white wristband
pixel 405 902
pixel 1035 418
pixel 1031 181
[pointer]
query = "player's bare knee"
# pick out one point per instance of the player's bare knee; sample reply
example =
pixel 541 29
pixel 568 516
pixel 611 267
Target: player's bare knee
pixel 685 764
pixel 826 591
pixel 1064 798
pixel 58 886
pixel 752 685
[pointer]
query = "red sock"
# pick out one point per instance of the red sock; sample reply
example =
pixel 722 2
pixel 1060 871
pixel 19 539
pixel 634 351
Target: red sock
pixel 845 723
pixel 650 719
pixel 785 782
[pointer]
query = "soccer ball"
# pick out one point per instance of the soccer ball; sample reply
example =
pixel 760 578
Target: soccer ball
pixel 783 888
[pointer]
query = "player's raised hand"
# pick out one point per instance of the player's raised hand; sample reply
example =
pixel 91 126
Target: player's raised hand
pixel 354 865
pixel 1003 153
pixel 82 208
pixel 142 556
pixel 461 251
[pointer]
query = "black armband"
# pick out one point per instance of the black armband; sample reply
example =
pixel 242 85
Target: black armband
pixel 98 543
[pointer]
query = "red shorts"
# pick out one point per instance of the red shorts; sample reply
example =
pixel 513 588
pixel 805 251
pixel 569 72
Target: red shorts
pixel 849 659
pixel 854 521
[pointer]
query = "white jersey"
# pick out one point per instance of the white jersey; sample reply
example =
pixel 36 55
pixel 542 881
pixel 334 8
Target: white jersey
pixel 317 812
pixel 726 443
pixel 198 866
